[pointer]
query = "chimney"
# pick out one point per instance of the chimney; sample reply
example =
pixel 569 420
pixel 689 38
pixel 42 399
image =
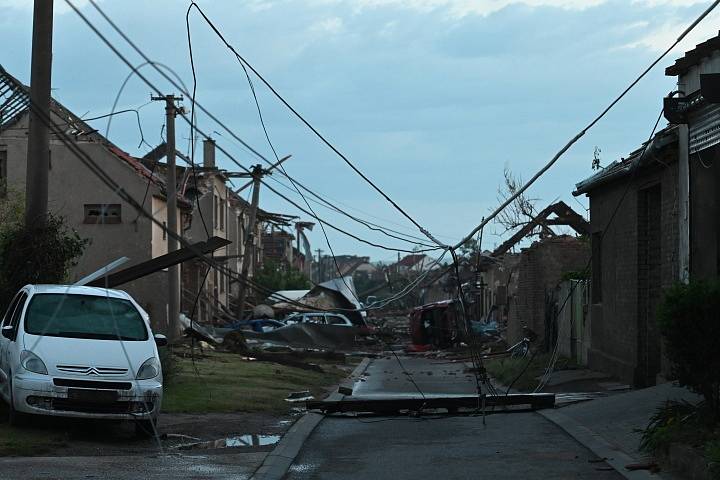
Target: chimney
pixel 209 153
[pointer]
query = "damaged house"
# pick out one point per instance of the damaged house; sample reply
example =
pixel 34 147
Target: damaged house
pixel 654 220
pixel 539 269
pixel 114 228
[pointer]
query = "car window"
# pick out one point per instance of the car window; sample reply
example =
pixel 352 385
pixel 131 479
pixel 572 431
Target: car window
pixel 11 309
pixel 15 319
pixel 315 319
pixel 336 320
pixel 84 316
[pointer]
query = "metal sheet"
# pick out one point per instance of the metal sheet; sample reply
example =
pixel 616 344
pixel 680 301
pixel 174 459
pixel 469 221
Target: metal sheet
pixel 704 128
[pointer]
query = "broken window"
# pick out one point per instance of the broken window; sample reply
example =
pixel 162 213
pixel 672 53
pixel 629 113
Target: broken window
pixel 104 213
pixel 596 286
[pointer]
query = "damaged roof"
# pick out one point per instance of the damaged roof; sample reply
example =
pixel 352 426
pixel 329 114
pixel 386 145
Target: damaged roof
pixel 694 56
pixel 638 158
pixel 411 260
pixel 17 102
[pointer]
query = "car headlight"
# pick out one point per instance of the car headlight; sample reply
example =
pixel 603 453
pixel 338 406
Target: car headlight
pixel 32 363
pixel 149 369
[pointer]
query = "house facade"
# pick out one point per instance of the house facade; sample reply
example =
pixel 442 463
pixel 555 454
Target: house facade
pixel 217 212
pixel 97 213
pixel 539 270
pixel 655 220
pixel 634 236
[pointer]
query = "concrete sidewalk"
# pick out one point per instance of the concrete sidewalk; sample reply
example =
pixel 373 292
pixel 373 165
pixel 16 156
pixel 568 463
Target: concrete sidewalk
pixel 611 426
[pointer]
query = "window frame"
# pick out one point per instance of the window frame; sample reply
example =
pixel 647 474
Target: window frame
pixel 104 218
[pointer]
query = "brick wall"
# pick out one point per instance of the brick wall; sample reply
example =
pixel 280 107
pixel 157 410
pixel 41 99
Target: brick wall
pixel 539 272
pixel 615 315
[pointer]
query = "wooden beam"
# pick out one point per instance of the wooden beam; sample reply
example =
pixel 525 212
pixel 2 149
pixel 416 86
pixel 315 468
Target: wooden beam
pixel 159 263
pixel 565 216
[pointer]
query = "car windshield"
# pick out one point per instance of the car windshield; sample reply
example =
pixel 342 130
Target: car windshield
pixel 84 316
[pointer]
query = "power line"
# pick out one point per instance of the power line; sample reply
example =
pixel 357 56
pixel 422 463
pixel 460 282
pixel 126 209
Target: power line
pixel 272 147
pixel 556 350
pixel 372 226
pixel 184 91
pixel 334 227
pixel 582 132
pixel 311 127
pixel 326 202
pixel 136 111
pixel 127 79
pixel 109 181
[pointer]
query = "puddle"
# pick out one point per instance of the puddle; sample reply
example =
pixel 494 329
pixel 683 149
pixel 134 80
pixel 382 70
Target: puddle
pixel 302 467
pixel 232 442
pixel 302 396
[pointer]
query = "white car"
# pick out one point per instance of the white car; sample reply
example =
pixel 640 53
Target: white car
pixel 80 352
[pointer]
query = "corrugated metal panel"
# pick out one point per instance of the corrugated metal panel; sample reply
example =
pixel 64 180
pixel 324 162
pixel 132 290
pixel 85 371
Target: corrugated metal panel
pixel 704 128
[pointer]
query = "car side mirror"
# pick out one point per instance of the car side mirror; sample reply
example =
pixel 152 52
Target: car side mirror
pixel 160 340
pixel 8 331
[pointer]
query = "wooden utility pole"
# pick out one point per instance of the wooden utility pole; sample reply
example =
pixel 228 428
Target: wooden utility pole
pixel 249 252
pixel 38 153
pixel 257 173
pixel 172 225
pixel 320 266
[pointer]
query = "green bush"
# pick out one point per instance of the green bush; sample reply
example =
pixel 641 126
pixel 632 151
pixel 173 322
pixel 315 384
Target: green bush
pixel 689 319
pixel 277 276
pixel 672 422
pixel 34 255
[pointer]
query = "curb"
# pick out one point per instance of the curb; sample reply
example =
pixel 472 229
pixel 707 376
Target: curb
pixel 613 455
pixel 277 462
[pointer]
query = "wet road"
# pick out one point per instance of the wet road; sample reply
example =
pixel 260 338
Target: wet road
pixel 510 445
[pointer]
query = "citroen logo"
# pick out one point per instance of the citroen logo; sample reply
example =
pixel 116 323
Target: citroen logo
pixel 92 371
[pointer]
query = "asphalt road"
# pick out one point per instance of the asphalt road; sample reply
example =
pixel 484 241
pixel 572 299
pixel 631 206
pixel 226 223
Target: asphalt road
pixel 517 445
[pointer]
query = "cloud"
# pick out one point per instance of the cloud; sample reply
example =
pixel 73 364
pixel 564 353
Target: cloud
pixel 673 3
pixel 458 9
pixel 660 37
pixel 332 25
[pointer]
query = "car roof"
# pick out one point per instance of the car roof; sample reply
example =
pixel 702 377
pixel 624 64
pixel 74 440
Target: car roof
pixel 78 290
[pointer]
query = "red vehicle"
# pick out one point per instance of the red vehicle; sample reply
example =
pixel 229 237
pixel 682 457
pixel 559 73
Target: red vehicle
pixel 436 325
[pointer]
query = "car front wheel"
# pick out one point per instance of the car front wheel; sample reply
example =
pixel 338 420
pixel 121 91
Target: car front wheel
pixel 15 418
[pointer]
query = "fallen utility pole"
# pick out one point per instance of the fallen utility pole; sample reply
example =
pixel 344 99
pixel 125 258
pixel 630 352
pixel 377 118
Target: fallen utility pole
pixel 257 173
pixel 38 153
pixel 171 112
pixel 159 263
pixel 393 405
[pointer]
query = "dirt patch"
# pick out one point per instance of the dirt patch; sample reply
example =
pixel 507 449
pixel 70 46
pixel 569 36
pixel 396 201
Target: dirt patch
pixel 64 437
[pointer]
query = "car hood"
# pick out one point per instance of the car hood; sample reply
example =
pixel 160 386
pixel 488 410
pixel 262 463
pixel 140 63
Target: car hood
pixel 90 358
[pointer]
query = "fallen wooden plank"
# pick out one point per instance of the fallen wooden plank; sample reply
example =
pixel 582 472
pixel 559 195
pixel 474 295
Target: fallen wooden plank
pixel 159 263
pixel 391 405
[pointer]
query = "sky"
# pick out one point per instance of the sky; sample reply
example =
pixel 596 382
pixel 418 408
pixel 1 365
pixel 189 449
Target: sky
pixel 431 99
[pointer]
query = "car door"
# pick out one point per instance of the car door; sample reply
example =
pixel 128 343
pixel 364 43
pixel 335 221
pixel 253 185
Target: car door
pixel 13 312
